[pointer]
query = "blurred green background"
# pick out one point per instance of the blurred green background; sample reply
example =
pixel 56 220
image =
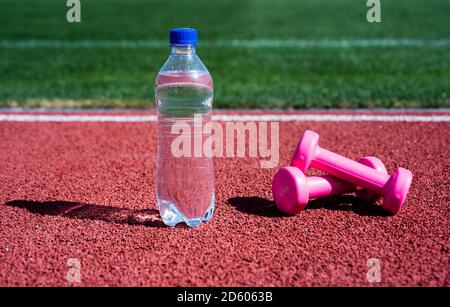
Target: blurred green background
pixel 47 62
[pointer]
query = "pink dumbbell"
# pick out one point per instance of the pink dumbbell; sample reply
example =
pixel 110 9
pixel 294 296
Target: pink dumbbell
pixel 393 188
pixel 292 189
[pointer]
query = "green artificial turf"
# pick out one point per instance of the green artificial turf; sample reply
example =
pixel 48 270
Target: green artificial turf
pixel 252 77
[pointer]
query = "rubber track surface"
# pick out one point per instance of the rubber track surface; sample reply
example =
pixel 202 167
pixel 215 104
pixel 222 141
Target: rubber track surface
pixel 87 191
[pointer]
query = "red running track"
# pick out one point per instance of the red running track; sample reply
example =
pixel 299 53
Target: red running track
pixel 87 191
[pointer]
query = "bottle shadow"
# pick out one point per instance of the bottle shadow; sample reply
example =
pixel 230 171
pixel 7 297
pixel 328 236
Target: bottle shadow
pixel 264 207
pixel 76 210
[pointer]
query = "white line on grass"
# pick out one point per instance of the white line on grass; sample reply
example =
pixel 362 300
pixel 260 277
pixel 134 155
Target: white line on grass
pixel 243 43
pixel 227 117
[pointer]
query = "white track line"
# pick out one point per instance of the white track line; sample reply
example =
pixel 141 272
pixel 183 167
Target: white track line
pixel 228 117
pixel 76 118
pixel 243 43
pixel 333 118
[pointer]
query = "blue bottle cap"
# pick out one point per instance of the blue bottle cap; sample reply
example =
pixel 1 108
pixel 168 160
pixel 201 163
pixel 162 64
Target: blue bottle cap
pixel 183 36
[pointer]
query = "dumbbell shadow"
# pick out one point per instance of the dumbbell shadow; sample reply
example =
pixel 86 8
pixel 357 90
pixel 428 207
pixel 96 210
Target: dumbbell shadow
pixel 256 205
pixel 264 207
pixel 347 203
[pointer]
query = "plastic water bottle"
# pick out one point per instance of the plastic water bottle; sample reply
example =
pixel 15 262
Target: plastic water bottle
pixel 184 95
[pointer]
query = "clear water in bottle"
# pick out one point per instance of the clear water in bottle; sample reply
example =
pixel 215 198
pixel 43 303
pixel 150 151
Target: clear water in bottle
pixel 184 95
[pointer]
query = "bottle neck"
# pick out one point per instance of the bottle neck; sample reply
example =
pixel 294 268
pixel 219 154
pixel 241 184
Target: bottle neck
pixel 183 49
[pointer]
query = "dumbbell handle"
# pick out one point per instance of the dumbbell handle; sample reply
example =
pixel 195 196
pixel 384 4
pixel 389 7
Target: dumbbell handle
pixel 349 170
pixel 327 185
